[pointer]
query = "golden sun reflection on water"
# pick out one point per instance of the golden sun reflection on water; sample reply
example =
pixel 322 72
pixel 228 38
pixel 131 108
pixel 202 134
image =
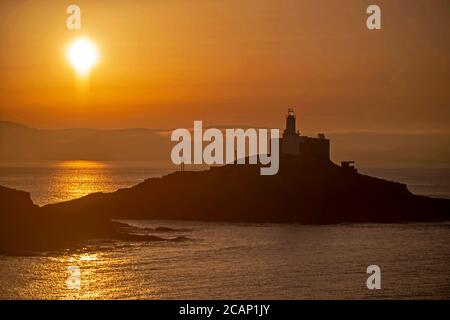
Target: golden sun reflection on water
pixel 81 164
pixel 88 258
pixel 78 178
pixel 93 268
pixel 102 276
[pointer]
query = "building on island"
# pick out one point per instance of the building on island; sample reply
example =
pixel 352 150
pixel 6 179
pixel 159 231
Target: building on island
pixel 294 143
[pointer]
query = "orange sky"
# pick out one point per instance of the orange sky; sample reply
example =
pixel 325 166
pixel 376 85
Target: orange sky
pixel 165 63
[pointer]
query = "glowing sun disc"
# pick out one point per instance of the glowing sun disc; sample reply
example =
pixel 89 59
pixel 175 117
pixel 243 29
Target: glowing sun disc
pixel 82 55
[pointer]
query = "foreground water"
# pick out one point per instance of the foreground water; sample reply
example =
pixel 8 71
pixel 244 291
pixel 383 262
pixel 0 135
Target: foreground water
pixel 232 261
pixel 222 260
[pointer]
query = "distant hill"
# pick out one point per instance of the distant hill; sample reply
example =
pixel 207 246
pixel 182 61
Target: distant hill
pixel 19 142
pixel 385 149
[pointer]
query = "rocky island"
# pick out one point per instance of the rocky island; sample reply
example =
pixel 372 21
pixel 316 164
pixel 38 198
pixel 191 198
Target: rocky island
pixel 302 192
pixel 308 189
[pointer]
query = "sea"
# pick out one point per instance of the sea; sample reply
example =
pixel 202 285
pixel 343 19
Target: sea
pixel 204 260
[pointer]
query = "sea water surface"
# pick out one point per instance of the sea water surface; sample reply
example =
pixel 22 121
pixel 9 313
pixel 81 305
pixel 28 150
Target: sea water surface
pixel 226 260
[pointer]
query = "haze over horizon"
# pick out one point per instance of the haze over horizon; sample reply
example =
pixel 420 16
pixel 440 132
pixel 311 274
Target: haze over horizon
pixel 21 143
pixel 231 125
pixel 164 64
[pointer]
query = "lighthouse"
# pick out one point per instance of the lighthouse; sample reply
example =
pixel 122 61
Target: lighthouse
pixel 291 138
pixel 290 122
pixel 316 149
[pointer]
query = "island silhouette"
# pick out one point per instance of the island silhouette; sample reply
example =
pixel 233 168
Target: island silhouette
pixel 309 189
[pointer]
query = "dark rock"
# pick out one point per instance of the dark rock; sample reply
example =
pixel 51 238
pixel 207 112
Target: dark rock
pixel 303 191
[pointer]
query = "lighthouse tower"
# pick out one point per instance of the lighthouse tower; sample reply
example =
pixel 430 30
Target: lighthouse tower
pixel 290 122
pixel 291 138
pixel 315 149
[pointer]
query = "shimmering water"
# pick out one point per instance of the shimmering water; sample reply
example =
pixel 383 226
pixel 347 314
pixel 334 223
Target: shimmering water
pixel 246 261
pixel 222 260
pixel 55 181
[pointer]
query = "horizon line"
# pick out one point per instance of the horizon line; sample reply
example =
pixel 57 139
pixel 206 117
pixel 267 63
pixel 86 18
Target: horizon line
pixel 225 126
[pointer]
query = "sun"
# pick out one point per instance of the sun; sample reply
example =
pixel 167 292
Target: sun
pixel 82 55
